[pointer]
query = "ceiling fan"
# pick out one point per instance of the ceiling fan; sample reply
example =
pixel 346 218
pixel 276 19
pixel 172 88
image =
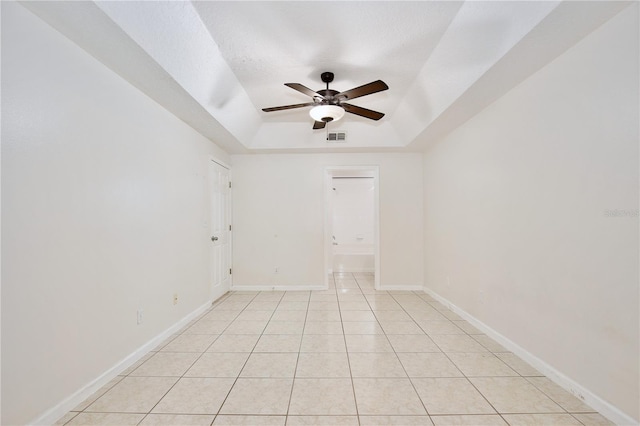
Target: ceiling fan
pixel 330 105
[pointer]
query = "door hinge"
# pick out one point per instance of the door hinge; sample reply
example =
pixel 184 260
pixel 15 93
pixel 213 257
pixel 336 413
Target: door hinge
pixel 229 271
pixel 229 184
pixel 229 227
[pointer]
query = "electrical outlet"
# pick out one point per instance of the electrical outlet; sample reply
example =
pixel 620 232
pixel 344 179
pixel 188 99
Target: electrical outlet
pixel 448 281
pixel 175 298
pixel 140 316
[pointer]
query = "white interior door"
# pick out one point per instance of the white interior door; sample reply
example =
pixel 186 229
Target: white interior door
pixel 220 230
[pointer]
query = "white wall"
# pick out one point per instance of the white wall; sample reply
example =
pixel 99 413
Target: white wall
pixel 104 207
pixel 278 213
pixel 516 214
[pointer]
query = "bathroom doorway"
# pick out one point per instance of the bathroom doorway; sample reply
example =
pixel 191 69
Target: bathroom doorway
pixel 352 221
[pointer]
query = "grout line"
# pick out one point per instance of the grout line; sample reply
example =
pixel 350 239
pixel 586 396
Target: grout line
pixel 295 370
pixel 346 347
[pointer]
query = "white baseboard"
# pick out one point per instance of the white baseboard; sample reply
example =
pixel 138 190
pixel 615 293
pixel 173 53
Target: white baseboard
pixel 605 408
pixel 277 287
pixel 409 287
pixel 55 413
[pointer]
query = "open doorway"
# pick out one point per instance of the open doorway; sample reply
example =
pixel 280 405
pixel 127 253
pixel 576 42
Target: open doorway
pixel 352 243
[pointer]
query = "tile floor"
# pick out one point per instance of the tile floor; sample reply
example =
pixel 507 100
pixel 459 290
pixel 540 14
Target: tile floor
pixel 349 355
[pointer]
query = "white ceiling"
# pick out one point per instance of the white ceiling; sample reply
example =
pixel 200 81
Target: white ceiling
pixel 217 64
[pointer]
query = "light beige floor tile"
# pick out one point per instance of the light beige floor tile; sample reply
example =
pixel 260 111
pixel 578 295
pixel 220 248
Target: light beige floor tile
pixel 519 365
pixel 166 364
pixel 177 420
pixel 323 316
pixel 473 420
pixel 358 316
pixel 346 284
pixel 561 397
pixel 293 306
pixel 387 397
pixel 195 396
pixel 229 305
pixel 322 420
pixel 220 315
pixel 384 305
pixel 66 418
pixel 451 396
pixel 362 327
pixel 278 343
pixel 230 420
pixel 477 364
pixel 440 327
pixel 279 315
pixel 489 343
pixel 392 316
pixel 266 365
pixel 351 295
pixel 457 343
pixel 323 327
pixel 428 314
pixel 323 306
pixel 323 364
pixel 467 327
pixel 190 343
pixel 208 327
pixel 354 306
pixel 368 343
pixel 412 343
pixel 269 296
pixel 450 315
pixel 90 400
pixel 322 397
pixel 284 327
pixel 514 395
pixel 541 420
pixel 218 364
pixel 246 327
pixel 296 296
pixel 234 343
pixel 395 420
pixel 428 364
pixel 137 364
pixel 133 395
pixel 258 396
pixel 262 305
pixel 593 419
pixel 316 297
pixel 323 343
pixel 112 419
pixel 254 316
pixel 375 365
pixel 401 327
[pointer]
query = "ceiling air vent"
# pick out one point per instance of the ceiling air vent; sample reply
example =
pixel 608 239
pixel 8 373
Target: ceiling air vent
pixel 337 137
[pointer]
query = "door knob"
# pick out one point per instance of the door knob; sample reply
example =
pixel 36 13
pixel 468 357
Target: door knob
pixel 214 238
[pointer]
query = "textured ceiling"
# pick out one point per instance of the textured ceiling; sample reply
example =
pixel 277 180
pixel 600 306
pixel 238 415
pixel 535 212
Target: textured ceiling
pixel 217 64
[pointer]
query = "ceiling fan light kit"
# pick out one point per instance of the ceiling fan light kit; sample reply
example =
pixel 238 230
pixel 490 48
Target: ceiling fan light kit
pixel 326 113
pixel 330 105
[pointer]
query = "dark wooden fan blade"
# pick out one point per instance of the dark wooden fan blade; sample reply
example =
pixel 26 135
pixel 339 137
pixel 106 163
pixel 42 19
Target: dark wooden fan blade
pixel 367 89
pixel 303 89
pixel 280 108
pixel 319 125
pixel 368 113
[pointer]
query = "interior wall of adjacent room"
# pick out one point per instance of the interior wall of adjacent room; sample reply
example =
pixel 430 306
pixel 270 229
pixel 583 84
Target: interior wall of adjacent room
pixel 279 208
pixel 353 224
pixel 104 212
pixel 521 229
